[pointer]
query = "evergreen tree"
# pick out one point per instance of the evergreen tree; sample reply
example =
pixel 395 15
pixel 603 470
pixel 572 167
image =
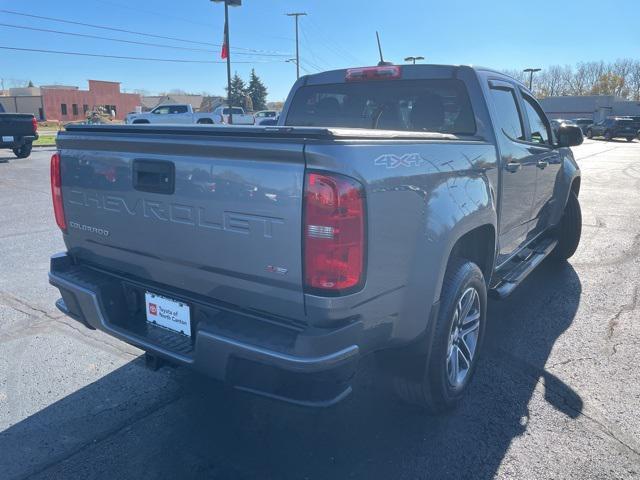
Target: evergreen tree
pixel 257 91
pixel 238 91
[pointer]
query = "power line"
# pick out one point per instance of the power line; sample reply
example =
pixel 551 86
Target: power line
pixel 151 12
pixel 98 37
pixel 315 56
pixel 121 57
pixel 114 29
pixel 311 65
pixel 334 46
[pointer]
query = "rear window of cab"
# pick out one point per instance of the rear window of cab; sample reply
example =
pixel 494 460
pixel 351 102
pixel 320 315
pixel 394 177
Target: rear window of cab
pixel 437 105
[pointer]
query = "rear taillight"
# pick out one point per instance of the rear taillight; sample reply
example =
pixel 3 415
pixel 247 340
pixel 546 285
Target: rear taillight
pixel 34 124
pixel 334 243
pixel 387 72
pixel 56 191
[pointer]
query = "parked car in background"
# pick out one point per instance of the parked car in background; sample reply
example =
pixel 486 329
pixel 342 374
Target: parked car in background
pixel 238 117
pixel 616 127
pixel 564 120
pixel 18 131
pixel 558 122
pixel 263 115
pixel 636 123
pixel 377 217
pixel 173 114
pixel 583 123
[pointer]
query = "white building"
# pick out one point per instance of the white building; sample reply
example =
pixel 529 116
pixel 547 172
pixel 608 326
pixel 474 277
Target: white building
pixel 596 107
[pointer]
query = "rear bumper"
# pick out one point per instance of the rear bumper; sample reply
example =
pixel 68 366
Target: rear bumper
pixel 308 366
pixel 19 141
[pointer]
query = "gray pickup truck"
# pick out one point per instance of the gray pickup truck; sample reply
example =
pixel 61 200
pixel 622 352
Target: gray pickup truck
pixel 375 218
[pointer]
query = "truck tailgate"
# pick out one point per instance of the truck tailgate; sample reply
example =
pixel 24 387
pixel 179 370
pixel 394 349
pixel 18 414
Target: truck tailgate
pixel 213 216
pixel 16 124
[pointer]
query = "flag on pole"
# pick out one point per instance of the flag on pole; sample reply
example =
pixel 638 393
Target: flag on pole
pixel 224 53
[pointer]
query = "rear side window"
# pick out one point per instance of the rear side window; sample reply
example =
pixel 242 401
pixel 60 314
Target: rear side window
pixel 234 111
pixel 178 109
pixel 508 120
pixel 411 105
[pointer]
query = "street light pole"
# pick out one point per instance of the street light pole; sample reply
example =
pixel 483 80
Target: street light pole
pixel 233 3
pixel 226 41
pixel 531 71
pixel 413 59
pixel 296 15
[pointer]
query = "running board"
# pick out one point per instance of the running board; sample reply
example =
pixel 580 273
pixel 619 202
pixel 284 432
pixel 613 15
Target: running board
pixel 521 268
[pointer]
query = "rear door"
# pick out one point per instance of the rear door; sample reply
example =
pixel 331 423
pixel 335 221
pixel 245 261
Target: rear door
pixel 217 217
pixel 518 169
pixel 180 114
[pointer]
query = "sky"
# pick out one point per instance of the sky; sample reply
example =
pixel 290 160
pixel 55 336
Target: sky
pixel 500 34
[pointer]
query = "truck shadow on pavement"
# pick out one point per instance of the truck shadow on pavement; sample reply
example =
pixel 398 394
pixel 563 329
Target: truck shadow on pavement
pixel 195 428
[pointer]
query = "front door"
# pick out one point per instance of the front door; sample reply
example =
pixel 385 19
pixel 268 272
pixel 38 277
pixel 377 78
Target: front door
pixel 518 170
pixel 548 161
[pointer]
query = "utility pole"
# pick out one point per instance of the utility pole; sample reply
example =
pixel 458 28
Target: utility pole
pixel 233 3
pixel 531 71
pixel 296 15
pixel 413 59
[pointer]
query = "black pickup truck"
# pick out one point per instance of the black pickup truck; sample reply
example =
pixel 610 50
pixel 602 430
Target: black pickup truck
pixel 18 131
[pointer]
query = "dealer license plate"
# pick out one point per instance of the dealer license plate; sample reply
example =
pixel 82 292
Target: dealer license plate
pixel 170 314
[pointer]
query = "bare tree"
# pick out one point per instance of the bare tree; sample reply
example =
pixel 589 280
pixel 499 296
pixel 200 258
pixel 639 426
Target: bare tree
pixel 622 69
pixel 551 82
pixel 634 81
pixel 578 81
pixel 594 71
pixel 620 78
pixel 518 75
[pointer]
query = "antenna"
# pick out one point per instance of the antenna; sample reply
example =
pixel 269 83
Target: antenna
pixel 381 63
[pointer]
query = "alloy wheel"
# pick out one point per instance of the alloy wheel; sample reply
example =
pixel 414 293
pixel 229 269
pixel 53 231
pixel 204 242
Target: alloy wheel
pixel 463 338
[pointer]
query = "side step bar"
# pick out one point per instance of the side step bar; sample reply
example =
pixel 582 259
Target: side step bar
pixel 519 268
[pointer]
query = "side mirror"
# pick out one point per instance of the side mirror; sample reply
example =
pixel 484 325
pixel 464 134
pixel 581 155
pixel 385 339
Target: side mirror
pixel 569 135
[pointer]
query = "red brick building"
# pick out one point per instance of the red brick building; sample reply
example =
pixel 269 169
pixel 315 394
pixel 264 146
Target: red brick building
pixel 70 103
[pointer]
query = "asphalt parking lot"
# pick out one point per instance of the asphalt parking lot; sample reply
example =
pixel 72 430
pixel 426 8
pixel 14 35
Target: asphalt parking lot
pixel 557 393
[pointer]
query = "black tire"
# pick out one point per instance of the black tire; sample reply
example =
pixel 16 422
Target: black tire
pixel 629 139
pixel 140 122
pixel 569 230
pixel 24 151
pixel 205 121
pixel 589 133
pixel 434 390
pixel 607 136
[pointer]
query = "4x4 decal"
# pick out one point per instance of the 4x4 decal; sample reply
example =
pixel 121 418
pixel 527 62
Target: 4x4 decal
pixel 390 160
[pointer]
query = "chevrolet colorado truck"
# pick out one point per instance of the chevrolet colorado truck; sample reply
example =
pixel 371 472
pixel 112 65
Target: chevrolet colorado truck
pixel 18 131
pixel 375 218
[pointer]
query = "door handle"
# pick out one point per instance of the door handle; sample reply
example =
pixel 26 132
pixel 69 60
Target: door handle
pixel 542 164
pixel 513 166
